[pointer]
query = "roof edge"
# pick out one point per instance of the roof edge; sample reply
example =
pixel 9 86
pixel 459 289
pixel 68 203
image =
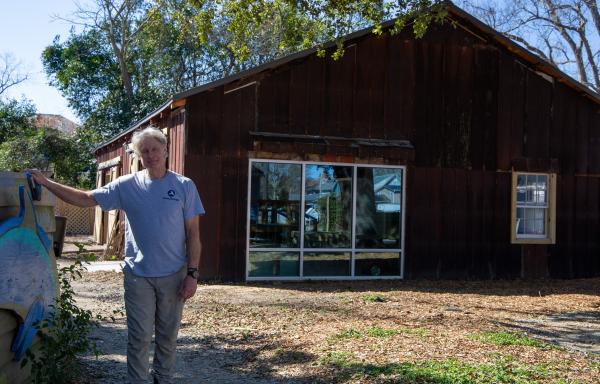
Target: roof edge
pixel 538 62
pixel 135 125
pixel 453 10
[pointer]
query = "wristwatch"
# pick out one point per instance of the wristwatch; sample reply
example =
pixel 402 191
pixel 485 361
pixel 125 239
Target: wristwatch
pixel 193 272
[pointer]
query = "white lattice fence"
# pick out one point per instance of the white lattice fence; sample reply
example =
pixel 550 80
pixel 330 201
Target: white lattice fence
pixel 80 221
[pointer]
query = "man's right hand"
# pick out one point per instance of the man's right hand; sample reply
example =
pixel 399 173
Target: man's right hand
pixel 64 192
pixel 38 176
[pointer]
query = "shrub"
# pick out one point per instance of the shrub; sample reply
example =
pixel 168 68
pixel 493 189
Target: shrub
pixel 64 335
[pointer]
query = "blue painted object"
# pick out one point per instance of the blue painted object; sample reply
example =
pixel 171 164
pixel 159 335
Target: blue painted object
pixel 27 278
pixel 27 330
pixel 15 222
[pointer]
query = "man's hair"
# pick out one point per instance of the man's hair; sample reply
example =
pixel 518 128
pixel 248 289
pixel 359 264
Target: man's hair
pixel 148 132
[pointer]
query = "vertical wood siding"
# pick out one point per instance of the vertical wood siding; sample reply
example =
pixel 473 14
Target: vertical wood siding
pixel 472 111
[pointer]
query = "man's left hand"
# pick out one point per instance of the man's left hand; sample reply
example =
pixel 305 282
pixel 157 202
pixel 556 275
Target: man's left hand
pixel 188 288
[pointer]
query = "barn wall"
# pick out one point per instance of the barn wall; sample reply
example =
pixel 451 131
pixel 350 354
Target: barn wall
pixel 461 111
pixel 472 112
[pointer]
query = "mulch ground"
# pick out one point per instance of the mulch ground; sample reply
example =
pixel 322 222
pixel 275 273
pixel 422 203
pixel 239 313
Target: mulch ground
pixel 312 332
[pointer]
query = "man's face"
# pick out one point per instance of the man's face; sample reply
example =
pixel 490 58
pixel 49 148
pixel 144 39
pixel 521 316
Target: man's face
pixel 152 153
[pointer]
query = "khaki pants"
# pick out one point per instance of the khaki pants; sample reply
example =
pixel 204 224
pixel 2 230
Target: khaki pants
pixel 152 305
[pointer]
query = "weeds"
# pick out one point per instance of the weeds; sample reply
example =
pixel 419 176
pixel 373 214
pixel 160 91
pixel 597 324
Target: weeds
pixel 380 332
pixel 508 338
pixel 374 298
pixel 451 371
pixel 349 334
pixel 64 334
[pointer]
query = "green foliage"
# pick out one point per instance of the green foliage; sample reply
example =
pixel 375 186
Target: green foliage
pixel 382 332
pixel 501 370
pixel 374 298
pixel 337 359
pixel 86 72
pixel 349 334
pixel 15 118
pixel 113 78
pixel 418 331
pixel 508 338
pixel 69 157
pixel 63 336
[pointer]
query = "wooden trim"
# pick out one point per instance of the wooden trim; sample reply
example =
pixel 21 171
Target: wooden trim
pixel 227 89
pixel 273 136
pixel 550 219
pixel 178 103
pixel 109 163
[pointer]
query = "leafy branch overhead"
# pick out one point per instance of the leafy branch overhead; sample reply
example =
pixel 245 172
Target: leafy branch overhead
pixel 130 55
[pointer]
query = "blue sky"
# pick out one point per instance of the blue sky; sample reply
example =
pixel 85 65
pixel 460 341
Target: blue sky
pixel 26 28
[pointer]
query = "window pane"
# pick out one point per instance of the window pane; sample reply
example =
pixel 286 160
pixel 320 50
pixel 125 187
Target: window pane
pixel 268 264
pixel 377 264
pixel 521 189
pixel 275 205
pixel 539 221
pixel 328 206
pixel 378 208
pixel 520 220
pixel 327 264
pixel 534 222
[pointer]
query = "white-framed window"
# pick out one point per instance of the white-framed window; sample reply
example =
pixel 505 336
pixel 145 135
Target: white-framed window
pixel 533 208
pixel 312 220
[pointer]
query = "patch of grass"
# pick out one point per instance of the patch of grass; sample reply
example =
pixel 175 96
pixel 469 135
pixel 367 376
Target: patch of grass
pixel 505 370
pixel 381 332
pixel 349 334
pixel 508 338
pixel 374 298
pixel 421 332
pixel 337 359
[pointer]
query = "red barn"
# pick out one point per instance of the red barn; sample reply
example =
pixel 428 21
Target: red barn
pixel 458 155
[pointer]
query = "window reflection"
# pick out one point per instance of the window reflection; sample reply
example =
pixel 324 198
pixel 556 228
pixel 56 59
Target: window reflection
pixel 377 264
pixel 275 194
pixel 270 264
pixel 277 217
pixel 532 202
pixel 327 264
pixel 328 206
pixel 378 208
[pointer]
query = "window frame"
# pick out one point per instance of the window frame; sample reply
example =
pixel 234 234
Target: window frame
pixel 549 236
pixel 302 249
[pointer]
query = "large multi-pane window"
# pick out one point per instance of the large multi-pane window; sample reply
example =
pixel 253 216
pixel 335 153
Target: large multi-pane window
pixel 319 220
pixel 533 208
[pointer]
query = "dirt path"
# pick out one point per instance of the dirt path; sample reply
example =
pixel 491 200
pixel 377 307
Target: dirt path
pixel 279 333
pixel 201 359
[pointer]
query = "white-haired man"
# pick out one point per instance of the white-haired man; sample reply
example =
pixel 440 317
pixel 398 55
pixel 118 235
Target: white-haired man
pixel 162 250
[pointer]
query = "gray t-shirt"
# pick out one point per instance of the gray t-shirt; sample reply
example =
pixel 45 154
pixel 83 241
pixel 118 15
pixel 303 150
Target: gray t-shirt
pixel 155 214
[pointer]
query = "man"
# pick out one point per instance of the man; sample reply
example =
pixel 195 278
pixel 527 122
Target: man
pixel 162 250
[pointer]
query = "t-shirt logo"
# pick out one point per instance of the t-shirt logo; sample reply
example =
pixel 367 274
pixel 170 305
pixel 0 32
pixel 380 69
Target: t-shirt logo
pixel 171 195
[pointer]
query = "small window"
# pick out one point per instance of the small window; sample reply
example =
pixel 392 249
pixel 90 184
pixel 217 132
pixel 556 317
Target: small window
pixel 533 208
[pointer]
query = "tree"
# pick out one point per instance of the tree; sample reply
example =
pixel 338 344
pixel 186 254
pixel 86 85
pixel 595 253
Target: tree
pixel 132 54
pixel 9 72
pixel 564 32
pixel 86 72
pixel 69 158
pixel 15 118
pixel 257 31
